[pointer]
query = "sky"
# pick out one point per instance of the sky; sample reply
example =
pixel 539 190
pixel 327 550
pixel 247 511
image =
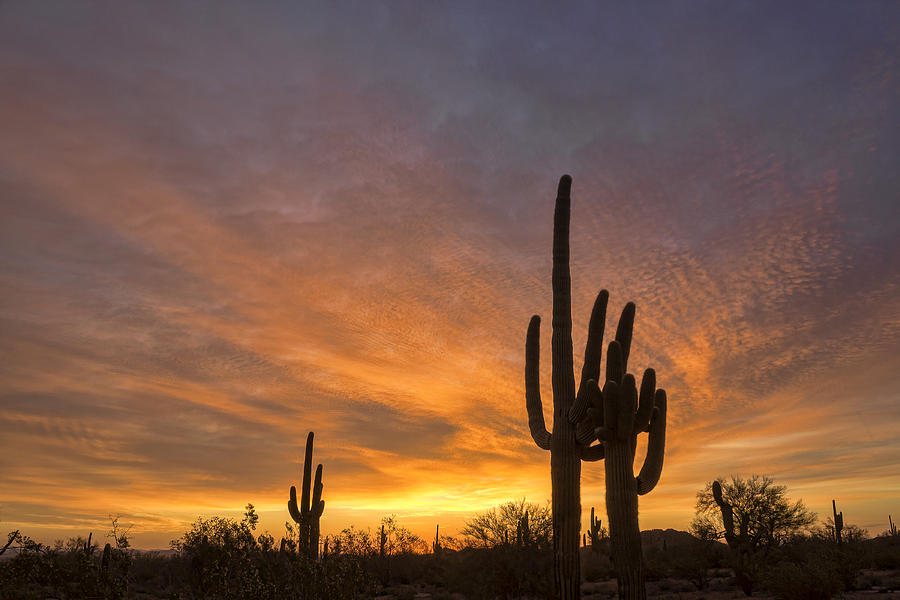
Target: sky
pixel 226 224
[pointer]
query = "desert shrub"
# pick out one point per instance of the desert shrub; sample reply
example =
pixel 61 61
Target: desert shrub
pixel 885 552
pixel 657 564
pixel 222 558
pixel 504 572
pixel 596 566
pixel 66 570
pixel 813 579
pixel 814 567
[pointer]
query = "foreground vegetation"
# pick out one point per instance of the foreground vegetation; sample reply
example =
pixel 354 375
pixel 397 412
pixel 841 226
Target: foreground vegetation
pixel 496 558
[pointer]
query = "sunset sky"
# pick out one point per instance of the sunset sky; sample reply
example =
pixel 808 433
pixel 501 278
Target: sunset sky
pixel 223 225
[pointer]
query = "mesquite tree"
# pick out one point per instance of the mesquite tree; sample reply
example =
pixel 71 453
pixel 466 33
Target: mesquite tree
pixel 308 513
pixel 578 420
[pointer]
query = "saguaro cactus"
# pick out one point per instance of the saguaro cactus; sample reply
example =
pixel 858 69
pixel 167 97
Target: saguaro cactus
pixel 893 527
pixel 578 418
pixel 104 564
pixel 523 532
pixel 308 513
pixel 595 532
pixel 14 535
pixel 436 546
pixel 625 415
pixel 738 541
pixel 838 523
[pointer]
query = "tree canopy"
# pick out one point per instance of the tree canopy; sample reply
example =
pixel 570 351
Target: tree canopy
pixel 500 524
pixel 771 518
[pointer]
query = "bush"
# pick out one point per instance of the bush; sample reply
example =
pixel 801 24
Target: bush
pixel 69 570
pixel 813 568
pixel 504 572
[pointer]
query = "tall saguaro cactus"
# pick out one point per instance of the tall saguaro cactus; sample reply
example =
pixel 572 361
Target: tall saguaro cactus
pixel 625 415
pixel 308 513
pixel 578 417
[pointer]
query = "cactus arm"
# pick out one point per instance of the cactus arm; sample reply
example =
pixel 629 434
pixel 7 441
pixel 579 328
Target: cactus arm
pixel 307 472
pixel 615 369
pixel 317 503
pixel 593 349
pixel 582 403
pixel 623 332
pixel 533 385
pixel 584 432
pixel 292 505
pixel 593 453
pixel 590 398
pixel 656 447
pixel 645 401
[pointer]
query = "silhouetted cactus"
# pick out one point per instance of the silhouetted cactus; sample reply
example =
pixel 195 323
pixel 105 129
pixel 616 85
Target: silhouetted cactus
pixel 436 545
pixel 625 414
pixel 595 532
pixel 104 564
pixel 523 532
pixel 307 515
pixel 579 420
pixel 893 526
pixel 88 548
pixel 838 523
pixel 382 538
pixel 738 542
pixel 13 536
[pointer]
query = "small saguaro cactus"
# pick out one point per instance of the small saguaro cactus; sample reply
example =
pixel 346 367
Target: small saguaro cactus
pixel 104 563
pixel 307 514
pixel 595 532
pixel 523 533
pixel 838 523
pixel 579 418
pixel 382 538
pixel 436 546
pixel 893 526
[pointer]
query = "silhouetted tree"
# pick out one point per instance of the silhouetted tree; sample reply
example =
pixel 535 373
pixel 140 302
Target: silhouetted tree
pixel 753 516
pixel 500 524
